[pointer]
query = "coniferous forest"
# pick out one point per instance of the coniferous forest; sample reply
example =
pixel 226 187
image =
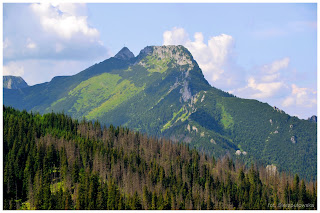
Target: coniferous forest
pixel 54 162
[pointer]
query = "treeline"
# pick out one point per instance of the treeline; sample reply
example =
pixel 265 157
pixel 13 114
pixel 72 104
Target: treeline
pixel 54 162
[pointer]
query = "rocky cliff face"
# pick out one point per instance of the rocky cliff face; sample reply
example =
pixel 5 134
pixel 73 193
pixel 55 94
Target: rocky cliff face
pixel 179 54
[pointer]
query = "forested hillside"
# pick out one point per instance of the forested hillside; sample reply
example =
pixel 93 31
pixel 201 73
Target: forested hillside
pixel 163 92
pixel 54 162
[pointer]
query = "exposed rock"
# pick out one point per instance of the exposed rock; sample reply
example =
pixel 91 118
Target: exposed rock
pixel 277 109
pixel 291 126
pixel 178 53
pixel 14 82
pixel 271 169
pixel 188 128
pixel 276 132
pixel 293 139
pixel 195 128
pixel 175 85
pixel 9 84
pixel 145 51
pixel 244 153
pixel 238 152
pixel 313 119
pixel 202 99
pixel 194 99
pixel 213 141
pixel 124 54
pixel 185 91
pixel 271 121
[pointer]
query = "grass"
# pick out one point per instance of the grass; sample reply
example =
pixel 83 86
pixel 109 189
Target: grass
pixel 226 118
pixel 99 94
pixel 94 90
pixel 155 65
pixel 58 101
pixel 184 116
pixel 57 186
pixel 122 92
pixel 175 119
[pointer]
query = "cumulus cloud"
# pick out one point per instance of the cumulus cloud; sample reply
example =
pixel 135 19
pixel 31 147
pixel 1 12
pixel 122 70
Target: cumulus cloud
pixel 176 36
pixel 63 24
pixel 267 83
pixel 49 31
pixel 301 97
pixel 215 58
pixel 13 69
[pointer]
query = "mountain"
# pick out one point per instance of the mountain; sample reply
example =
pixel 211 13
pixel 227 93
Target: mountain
pixel 163 92
pixel 124 54
pixel 13 82
pixel 52 162
pixel 313 119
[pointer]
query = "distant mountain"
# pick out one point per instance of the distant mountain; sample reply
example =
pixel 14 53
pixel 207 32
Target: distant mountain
pixel 313 119
pixel 13 82
pixel 163 92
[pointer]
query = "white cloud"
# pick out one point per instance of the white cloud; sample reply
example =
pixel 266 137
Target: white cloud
pixel 50 31
pixel 276 65
pixel 13 69
pixel 215 58
pixel 31 44
pixel 45 40
pixel 176 36
pixel 62 23
pixel 262 89
pixel 304 97
pixel 70 8
pixel 267 83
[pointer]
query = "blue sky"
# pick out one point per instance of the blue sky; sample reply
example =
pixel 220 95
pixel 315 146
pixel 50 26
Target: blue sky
pixel 262 51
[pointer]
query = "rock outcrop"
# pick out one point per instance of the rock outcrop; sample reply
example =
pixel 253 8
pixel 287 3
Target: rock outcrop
pixel 124 54
pixel 313 119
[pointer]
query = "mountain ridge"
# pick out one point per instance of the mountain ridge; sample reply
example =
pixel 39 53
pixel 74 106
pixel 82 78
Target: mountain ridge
pixel 162 92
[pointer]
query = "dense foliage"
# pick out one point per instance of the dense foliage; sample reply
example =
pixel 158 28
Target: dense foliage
pixel 54 162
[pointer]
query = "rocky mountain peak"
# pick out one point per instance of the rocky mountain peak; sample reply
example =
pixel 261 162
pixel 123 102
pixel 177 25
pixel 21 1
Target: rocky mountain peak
pixel 179 53
pixel 14 82
pixel 124 54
